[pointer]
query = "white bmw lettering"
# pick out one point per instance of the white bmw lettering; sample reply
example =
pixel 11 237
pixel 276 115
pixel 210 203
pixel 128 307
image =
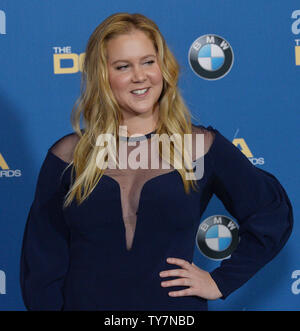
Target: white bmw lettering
pixel 231 225
pixel 224 45
pixel 217 220
pixel 197 45
pixel 210 39
pixel 204 226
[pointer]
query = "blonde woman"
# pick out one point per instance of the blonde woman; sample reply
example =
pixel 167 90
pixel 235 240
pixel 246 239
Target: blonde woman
pixel 101 236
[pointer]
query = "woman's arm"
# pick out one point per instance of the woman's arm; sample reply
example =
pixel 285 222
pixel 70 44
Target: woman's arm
pixel 45 251
pixel 260 205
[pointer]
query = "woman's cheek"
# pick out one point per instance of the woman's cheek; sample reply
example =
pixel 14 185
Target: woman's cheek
pixel 118 83
pixel 157 76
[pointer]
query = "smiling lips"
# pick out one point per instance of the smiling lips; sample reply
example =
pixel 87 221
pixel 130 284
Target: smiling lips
pixel 140 92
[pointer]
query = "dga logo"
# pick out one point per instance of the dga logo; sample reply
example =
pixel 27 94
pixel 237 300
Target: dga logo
pixel 217 237
pixel 296 31
pixel 2 282
pixel 244 148
pixel 2 22
pixel 66 62
pixel 211 57
pixel 5 171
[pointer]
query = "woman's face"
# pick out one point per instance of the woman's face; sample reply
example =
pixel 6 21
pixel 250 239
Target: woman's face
pixel 134 74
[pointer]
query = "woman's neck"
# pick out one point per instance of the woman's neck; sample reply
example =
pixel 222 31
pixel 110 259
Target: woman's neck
pixel 139 125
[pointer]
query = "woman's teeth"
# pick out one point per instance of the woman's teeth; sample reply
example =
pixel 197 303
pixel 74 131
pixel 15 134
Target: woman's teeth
pixel 139 92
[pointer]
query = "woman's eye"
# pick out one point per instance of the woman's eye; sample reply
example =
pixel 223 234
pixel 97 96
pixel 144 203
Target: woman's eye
pixel 122 67
pixel 127 66
pixel 149 62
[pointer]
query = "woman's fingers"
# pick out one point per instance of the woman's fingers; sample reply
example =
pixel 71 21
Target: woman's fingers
pixel 182 293
pixel 177 282
pixel 182 263
pixel 174 273
pixel 198 280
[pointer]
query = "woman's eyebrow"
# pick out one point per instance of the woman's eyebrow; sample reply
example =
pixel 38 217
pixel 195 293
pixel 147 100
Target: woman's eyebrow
pixel 149 55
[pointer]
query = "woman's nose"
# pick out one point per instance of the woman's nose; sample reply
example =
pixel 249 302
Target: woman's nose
pixel 139 74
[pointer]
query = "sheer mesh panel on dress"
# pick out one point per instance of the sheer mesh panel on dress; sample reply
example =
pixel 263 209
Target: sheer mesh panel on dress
pixel 138 170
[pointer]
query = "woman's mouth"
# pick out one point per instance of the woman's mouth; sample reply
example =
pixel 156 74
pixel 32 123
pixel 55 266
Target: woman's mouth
pixel 140 92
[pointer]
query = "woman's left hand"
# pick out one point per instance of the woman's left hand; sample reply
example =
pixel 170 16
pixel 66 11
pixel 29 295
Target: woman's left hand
pixel 199 281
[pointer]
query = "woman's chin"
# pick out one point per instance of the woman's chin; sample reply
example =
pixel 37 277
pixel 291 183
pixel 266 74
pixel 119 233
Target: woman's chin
pixel 139 111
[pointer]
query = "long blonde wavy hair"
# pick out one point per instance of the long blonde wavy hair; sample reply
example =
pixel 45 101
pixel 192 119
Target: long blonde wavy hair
pixel 100 112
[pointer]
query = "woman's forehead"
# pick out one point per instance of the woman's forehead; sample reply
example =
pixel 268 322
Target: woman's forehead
pixel 134 46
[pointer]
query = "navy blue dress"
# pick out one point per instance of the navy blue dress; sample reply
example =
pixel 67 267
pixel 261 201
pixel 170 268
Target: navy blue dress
pixel 76 258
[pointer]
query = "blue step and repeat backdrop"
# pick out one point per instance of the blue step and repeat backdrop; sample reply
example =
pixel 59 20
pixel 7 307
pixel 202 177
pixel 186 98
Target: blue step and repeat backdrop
pixel 246 84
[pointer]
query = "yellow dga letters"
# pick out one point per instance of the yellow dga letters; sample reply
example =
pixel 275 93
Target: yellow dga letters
pixel 3 164
pixel 297 55
pixel 76 66
pixel 244 147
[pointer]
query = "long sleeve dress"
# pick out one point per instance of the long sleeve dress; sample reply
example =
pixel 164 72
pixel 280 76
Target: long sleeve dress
pixel 107 253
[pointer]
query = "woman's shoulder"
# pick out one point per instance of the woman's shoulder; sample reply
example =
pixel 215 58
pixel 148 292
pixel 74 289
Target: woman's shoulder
pixel 209 134
pixel 64 147
pixel 207 130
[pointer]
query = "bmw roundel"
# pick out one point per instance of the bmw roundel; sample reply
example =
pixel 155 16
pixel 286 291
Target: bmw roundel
pixel 217 237
pixel 210 57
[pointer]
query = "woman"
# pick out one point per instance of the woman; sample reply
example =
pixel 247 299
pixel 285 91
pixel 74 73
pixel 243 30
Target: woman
pixel 122 238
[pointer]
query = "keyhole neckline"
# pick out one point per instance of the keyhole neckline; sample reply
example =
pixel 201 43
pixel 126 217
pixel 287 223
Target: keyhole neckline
pixel 139 138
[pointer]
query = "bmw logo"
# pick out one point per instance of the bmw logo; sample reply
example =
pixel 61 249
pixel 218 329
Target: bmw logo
pixel 211 57
pixel 217 237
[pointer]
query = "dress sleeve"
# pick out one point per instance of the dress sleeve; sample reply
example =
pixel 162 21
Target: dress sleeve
pixel 45 252
pixel 259 203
